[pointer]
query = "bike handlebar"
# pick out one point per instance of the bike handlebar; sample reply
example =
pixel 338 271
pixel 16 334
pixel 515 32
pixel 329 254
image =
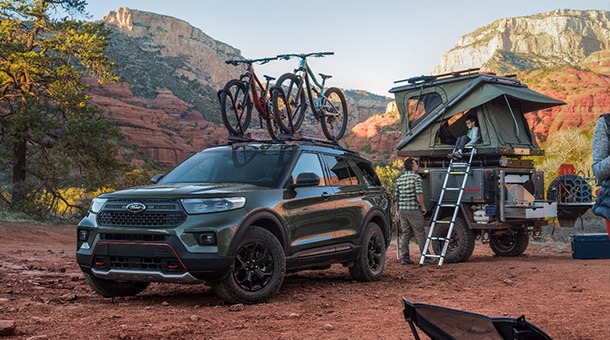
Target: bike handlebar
pixel 304 55
pixel 261 61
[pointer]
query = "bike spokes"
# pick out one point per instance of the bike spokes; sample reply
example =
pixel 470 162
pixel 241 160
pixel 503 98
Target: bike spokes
pixel 236 107
pixel 288 102
pixel 333 111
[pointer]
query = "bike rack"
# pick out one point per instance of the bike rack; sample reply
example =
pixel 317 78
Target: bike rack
pixel 284 138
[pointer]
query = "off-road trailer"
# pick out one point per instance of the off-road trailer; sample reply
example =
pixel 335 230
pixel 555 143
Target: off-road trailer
pixel 503 198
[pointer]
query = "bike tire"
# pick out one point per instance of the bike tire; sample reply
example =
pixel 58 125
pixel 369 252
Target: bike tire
pixel 334 114
pixel 235 107
pixel 273 128
pixel 288 103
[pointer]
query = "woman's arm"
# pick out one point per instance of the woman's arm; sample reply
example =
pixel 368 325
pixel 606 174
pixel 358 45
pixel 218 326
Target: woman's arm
pixel 600 144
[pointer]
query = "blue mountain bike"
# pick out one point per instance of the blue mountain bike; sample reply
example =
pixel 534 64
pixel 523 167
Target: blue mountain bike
pixel 294 91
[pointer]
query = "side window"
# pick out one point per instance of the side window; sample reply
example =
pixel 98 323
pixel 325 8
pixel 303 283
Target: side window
pixel 341 173
pixel 369 174
pixel 308 162
pixel 420 106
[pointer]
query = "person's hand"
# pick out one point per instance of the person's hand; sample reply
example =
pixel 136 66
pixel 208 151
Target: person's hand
pixel 424 211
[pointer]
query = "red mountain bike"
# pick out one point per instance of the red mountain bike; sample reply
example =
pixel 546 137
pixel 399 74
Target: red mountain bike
pixel 239 95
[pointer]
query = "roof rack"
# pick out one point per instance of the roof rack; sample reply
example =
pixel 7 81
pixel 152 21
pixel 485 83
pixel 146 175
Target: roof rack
pixel 283 138
pixel 426 79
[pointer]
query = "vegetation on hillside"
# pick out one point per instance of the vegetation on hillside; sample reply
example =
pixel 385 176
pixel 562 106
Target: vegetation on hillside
pixel 147 71
pixel 51 138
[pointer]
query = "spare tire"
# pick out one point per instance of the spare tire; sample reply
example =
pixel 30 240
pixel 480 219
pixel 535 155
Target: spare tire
pixel 569 189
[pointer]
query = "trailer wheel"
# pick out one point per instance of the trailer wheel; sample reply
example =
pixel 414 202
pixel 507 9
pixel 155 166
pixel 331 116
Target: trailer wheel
pixel 461 243
pixel 509 245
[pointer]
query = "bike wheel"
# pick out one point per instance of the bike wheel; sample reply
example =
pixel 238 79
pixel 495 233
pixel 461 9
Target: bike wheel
pixel 273 128
pixel 334 114
pixel 235 107
pixel 288 103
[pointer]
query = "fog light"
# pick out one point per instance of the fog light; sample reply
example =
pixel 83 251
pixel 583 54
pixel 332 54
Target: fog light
pixel 83 235
pixel 206 239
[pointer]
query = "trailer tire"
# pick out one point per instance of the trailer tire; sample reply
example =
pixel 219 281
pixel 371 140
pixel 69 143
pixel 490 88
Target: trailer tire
pixel 461 243
pixel 509 245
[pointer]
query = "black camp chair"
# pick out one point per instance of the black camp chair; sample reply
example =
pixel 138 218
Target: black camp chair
pixel 440 323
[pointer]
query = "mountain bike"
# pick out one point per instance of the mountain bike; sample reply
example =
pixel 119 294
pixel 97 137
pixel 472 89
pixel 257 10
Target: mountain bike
pixel 239 96
pixel 289 102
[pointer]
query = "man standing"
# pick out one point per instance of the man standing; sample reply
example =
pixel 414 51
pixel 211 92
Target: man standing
pixel 410 208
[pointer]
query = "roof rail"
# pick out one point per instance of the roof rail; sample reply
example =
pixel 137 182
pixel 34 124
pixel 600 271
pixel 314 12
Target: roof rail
pixel 284 139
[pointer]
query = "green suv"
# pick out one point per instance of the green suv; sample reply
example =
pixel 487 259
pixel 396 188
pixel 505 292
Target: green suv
pixel 239 217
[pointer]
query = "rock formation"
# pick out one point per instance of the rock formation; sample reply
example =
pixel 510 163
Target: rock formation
pixel 558 38
pixel 167 105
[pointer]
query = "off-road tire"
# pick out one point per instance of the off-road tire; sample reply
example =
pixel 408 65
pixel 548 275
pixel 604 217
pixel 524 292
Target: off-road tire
pixel 257 271
pixel 461 243
pixel 371 261
pixel 509 245
pixel 109 288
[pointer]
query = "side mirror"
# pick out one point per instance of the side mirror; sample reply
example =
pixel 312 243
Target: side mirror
pixel 306 179
pixel 156 178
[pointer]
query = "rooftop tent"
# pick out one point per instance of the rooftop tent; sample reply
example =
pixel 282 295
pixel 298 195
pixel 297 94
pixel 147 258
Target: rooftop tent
pixel 433 110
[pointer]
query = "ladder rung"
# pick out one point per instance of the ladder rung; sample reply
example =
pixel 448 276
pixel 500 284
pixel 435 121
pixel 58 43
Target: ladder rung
pixel 439 238
pixel 458 173
pixel 453 189
pixel 442 222
pixel 448 205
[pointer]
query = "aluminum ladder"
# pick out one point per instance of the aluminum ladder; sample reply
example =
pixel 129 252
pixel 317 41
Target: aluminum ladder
pixel 456 168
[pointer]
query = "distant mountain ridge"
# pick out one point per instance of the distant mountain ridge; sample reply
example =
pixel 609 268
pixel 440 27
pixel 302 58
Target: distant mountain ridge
pixel 563 53
pixel 171 73
pixel 554 39
pixel 167 104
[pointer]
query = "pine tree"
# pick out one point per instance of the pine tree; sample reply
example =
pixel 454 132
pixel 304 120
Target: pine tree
pixel 50 136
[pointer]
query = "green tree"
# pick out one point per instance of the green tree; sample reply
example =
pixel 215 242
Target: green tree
pixel 50 136
pixel 569 146
pixel 389 174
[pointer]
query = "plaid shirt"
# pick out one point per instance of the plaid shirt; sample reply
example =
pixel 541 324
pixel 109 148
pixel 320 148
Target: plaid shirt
pixel 407 186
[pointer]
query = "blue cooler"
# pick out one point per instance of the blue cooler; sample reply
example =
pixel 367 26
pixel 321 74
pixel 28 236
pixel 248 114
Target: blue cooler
pixel 591 246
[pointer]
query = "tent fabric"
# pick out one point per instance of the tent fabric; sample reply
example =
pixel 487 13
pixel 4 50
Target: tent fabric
pixel 528 100
pixel 498 103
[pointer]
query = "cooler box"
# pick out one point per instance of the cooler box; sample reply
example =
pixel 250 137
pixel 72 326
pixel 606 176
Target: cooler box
pixel 591 246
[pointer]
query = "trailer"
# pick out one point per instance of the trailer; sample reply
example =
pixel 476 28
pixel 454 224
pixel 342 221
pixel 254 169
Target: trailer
pixel 502 200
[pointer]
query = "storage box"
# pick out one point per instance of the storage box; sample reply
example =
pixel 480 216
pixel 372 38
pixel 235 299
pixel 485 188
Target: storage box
pixel 591 246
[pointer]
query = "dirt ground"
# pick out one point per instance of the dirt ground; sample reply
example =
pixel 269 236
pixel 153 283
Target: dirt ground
pixel 43 294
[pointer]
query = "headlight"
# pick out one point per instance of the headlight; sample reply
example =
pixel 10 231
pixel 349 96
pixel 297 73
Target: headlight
pixel 97 204
pixel 209 205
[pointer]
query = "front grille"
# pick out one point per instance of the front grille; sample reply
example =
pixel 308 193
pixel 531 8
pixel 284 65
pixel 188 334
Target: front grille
pixel 158 213
pixel 133 237
pixel 136 257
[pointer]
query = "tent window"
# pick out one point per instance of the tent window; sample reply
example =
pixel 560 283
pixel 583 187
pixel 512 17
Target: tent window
pixel 419 106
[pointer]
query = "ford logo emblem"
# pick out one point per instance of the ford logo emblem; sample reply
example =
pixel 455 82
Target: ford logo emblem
pixel 136 207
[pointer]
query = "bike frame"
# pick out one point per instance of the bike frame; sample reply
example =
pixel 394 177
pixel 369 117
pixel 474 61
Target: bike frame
pixel 305 72
pixel 260 100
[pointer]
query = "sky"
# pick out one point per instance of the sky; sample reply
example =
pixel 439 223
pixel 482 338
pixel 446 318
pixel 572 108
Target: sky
pixel 375 42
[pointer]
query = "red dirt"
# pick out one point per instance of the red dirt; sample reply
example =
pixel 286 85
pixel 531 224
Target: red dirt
pixel 42 291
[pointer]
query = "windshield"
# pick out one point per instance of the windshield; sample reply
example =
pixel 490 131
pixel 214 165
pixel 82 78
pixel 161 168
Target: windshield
pixel 260 165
